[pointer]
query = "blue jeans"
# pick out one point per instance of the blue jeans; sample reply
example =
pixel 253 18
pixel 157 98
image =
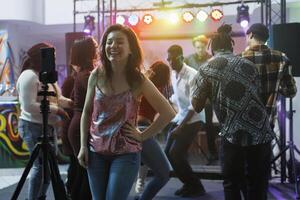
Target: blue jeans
pixel 156 159
pixel 112 176
pixel 30 132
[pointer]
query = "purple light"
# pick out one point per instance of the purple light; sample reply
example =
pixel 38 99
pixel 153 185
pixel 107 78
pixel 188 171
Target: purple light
pixel 88 31
pixel 244 23
pixel 89 24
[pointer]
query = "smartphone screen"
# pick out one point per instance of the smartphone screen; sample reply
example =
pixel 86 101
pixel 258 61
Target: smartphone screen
pixel 48 73
pixel 48 60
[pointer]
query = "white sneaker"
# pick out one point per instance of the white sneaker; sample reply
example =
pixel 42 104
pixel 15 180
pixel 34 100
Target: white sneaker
pixel 140 182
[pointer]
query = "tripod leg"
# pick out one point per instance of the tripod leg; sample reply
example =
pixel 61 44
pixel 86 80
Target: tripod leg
pixel 33 156
pixel 280 154
pixel 297 150
pixel 294 168
pixel 57 183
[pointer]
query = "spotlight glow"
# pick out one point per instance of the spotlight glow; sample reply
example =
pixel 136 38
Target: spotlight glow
pixel 173 18
pixel 216 14
pixel 188 16
pixel 88 31
pixel 120 19
pixel 202 15
pixel 148 19
pixel 244 23
pixel 133 20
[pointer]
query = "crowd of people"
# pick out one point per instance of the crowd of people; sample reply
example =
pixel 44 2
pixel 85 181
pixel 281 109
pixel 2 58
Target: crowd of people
pixel 112 110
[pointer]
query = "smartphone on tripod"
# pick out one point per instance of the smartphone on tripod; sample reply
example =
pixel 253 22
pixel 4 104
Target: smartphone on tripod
pixel 47 75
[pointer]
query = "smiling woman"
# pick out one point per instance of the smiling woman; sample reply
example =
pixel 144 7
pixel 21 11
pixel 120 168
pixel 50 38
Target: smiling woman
pixel 111 150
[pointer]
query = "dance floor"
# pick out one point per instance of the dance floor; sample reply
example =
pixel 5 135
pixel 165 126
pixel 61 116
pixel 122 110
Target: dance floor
pixel 214 190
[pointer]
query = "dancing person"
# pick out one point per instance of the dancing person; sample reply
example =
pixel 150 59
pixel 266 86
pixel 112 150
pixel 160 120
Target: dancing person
pixel 200 56
pixel 110 149
pixel 152 155
pixel 85 57
pixel 274 68
pixel 186 124
pixel 67 91
pixel 30 124
pixel 231 82
pixel 195 60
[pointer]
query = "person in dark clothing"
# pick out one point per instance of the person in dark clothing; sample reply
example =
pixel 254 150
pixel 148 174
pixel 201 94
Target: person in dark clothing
pixel 186 124
pixel 67 91
pixel 84 56
pixel 195 60
pixel 231 82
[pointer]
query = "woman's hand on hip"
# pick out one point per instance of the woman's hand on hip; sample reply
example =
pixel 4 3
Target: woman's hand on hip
pixel 132 132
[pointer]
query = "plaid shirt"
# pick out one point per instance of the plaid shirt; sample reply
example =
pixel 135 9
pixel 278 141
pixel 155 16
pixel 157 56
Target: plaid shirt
pixel 274 70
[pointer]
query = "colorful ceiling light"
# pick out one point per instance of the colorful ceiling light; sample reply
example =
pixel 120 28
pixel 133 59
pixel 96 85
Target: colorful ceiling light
pixel 173 18
pixel 133 20
pixel 148 19
pixel 202 15
pixel 216 14
pixel 120 19
pixel 187 16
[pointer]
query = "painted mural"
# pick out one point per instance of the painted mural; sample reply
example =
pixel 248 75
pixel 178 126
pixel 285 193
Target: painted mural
pixel 13 151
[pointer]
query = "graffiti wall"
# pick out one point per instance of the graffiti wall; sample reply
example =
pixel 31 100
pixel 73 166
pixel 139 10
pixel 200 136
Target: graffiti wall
pixel 13 151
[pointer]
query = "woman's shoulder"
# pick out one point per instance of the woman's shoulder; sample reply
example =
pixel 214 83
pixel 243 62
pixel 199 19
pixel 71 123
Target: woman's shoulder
pixel 29 72
pixel 28 75
pixel 98 72
pixel 138 88
pixel 97 76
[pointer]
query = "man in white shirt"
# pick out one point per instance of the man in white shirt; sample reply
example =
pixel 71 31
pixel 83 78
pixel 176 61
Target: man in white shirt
pixel 186 124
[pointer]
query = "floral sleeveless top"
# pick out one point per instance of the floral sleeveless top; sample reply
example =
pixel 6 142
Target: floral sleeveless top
pixel 110 112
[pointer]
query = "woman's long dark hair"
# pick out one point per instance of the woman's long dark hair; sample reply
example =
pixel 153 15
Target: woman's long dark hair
pixel 32 59
pixel 159 74
pixel 133 74
pixel 84 53
pixel 222 39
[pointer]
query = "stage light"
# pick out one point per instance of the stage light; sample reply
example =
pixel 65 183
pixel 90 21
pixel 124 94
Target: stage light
pixel 244 23
pixel 133 20
pixel 216 14
pixel 173 18
pixel 120 19
pixel 202 15
pixel 147 19
pixel 188 16
pixel 243 15
pixel 89 24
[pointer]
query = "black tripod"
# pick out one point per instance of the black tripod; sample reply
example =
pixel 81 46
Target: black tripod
pixel 292 147
pixel 49 159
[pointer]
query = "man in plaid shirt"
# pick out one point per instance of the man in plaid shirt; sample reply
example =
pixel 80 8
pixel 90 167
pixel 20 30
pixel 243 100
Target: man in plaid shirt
pixel 273 67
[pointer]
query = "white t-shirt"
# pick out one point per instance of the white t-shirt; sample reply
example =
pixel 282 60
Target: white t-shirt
pixel 28 85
